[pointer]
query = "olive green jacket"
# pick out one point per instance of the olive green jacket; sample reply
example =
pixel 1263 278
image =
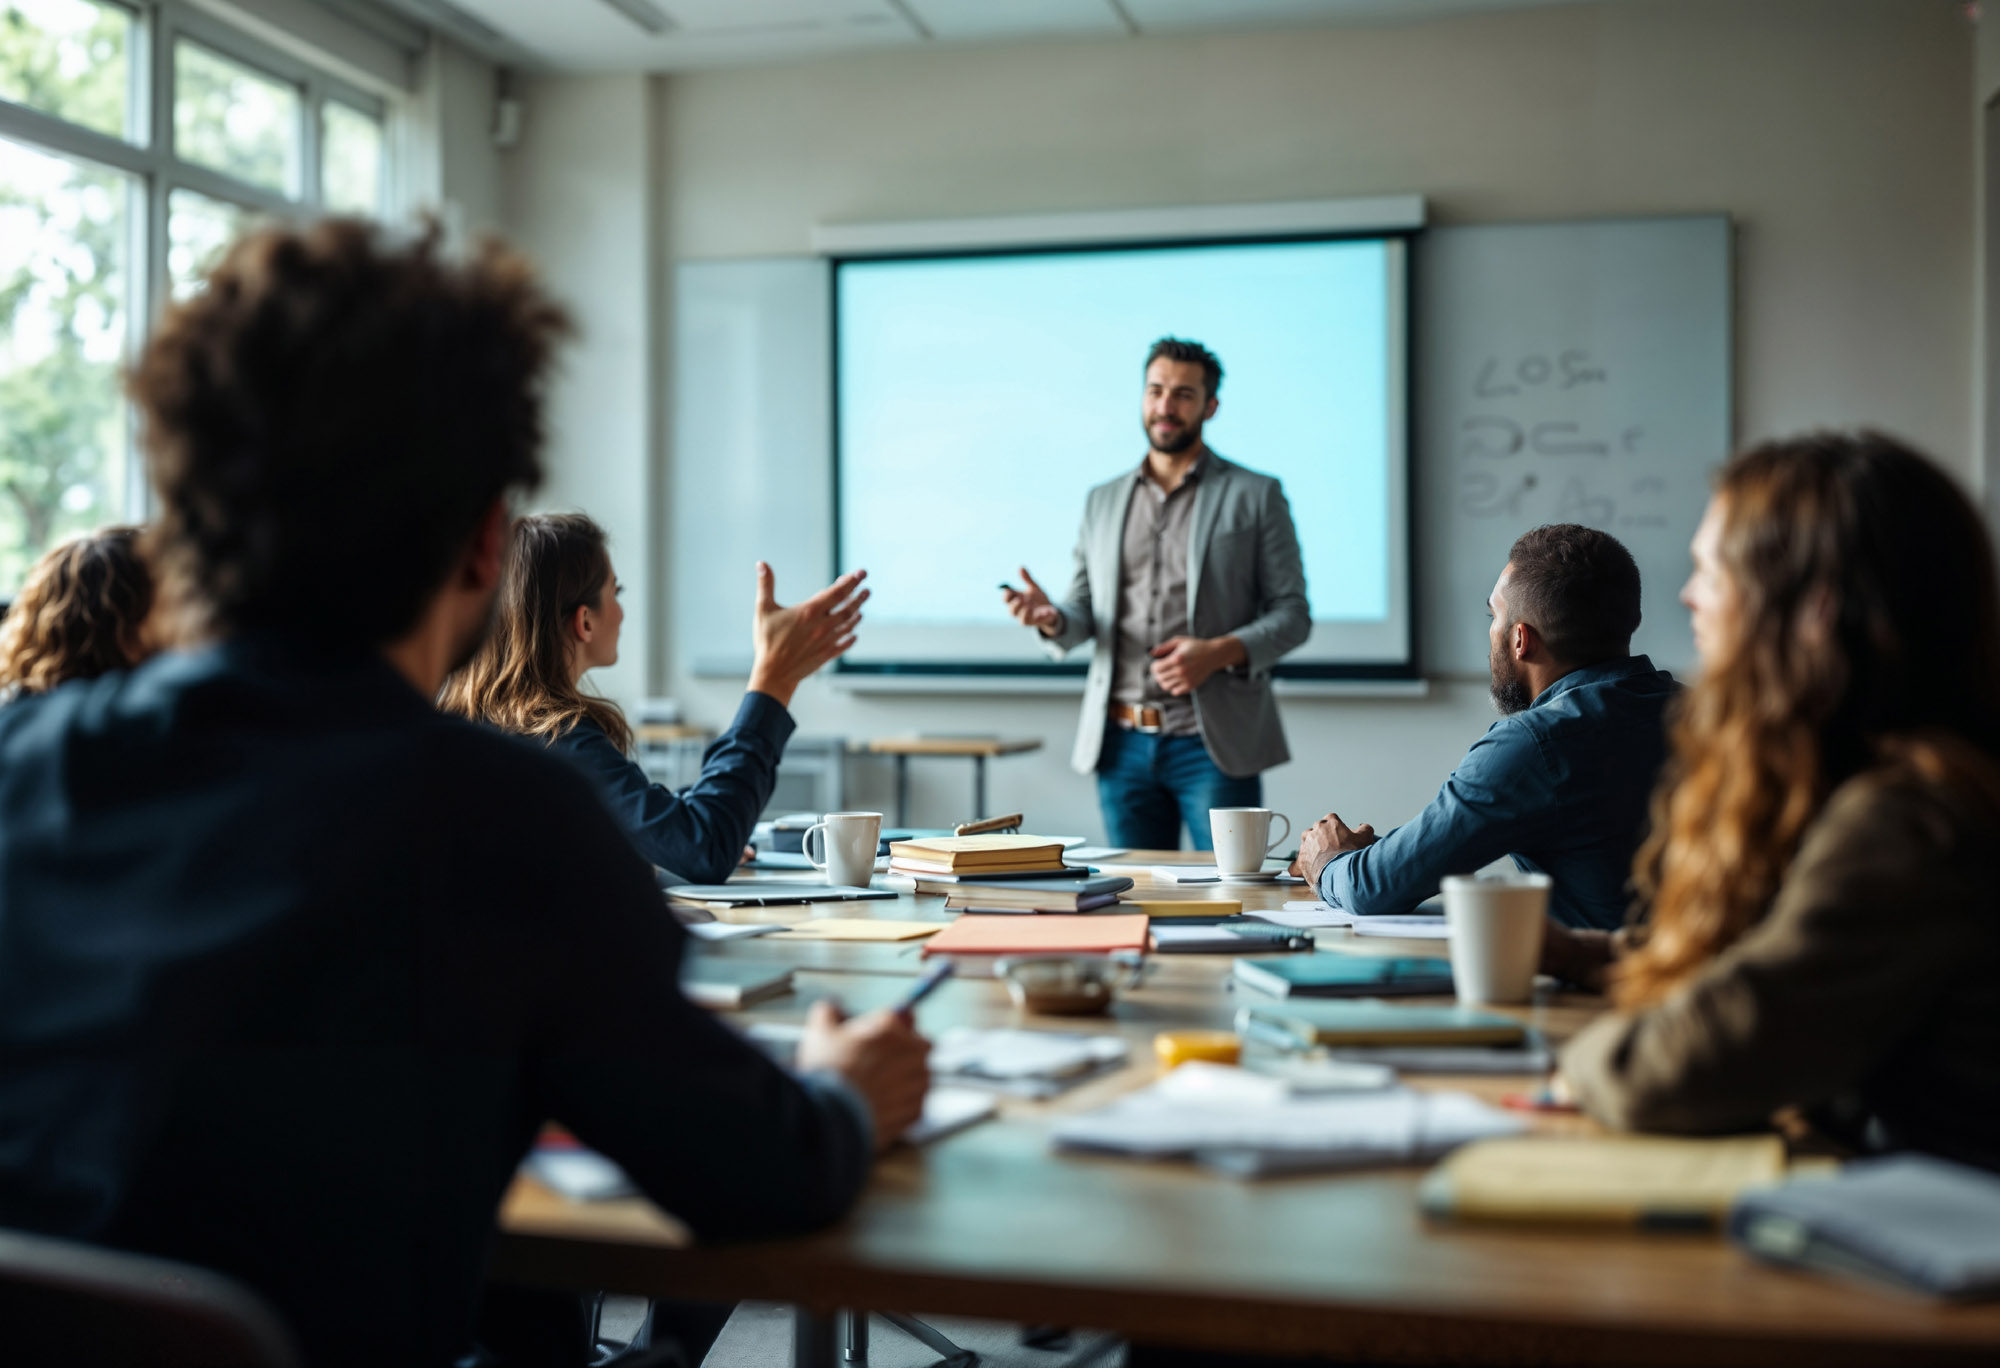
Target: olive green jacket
pixel 1869 994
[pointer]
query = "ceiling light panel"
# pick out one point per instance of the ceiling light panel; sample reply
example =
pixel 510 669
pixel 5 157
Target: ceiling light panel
pixel 951 20
pixel 649 17
pixel 564 33
pixel 1155 16
pixel 590 35
pixel 742 16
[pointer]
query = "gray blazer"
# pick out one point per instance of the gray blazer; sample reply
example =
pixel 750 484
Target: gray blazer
pixel 1244 577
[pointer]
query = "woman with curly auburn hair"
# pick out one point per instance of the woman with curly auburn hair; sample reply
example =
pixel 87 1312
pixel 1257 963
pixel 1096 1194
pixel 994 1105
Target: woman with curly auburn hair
pixel 1823 873
pixel 82 613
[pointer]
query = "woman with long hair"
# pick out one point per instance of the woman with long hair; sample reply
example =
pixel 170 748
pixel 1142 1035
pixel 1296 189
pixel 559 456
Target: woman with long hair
pixel 1823 873
pixel 558 616
pixel 82 612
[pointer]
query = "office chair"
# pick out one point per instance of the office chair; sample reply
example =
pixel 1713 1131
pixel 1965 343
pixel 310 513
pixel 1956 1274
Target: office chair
pixel 84 1307
pixel 854 1339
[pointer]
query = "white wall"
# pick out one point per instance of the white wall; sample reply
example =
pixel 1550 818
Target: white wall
pixel 578 198
pixel 1986 84
pixel 1834 131
pixel 449 163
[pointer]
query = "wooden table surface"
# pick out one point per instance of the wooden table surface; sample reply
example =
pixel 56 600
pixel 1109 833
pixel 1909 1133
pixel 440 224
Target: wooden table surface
pixel 991 1222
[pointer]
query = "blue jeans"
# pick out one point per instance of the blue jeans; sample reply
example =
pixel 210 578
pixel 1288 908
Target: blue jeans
pixel 1149 785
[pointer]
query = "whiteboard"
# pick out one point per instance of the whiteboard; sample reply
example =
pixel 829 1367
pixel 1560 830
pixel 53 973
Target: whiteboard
pixel 1567 372
pixel 752 466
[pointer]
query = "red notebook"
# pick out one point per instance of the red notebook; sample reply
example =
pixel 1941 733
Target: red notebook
pixel 1043 934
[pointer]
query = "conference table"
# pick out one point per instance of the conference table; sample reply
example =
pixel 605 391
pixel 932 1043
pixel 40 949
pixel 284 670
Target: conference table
pixel 991 1222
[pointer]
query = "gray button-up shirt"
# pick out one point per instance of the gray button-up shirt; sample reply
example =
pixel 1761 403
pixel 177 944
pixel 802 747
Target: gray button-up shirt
pixel 1153 594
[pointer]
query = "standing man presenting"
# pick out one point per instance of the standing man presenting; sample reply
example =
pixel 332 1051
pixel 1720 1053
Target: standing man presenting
pixel 1189 583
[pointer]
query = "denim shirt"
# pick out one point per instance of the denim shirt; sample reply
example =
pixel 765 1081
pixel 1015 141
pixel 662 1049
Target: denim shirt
pixel 1561 787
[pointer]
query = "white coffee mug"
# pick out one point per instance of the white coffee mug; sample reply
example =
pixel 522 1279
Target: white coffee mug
pixel 1496 935
pixel 850 839
pixel 1243 838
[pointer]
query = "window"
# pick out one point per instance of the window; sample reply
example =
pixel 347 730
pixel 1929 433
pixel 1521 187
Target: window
pixel 234 119
pixel 65 287
pixel 71 59
pixel 107 212
pixel 350 160
pixel 198 230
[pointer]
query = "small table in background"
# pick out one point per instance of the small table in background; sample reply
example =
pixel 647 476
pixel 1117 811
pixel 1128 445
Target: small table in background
pixel 670 752
pixel 980 748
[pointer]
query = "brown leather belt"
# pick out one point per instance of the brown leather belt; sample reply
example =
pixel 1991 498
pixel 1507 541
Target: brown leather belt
pixel 1138 717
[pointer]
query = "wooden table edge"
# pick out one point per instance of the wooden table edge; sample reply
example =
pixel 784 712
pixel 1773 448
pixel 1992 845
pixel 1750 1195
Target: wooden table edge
pixel 1364 1328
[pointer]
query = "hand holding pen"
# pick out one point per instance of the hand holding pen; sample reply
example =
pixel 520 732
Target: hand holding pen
pixel 879 1054
pixel 932 979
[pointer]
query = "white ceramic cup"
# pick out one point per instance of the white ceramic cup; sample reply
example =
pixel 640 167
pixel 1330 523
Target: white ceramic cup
pixel 850 840
pixel 1243 838
pixel 1496 935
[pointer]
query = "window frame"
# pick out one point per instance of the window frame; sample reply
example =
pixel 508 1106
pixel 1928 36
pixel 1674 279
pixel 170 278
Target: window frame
pixel 147 154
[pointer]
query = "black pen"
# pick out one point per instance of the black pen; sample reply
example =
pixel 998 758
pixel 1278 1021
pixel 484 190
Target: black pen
pixel 923 987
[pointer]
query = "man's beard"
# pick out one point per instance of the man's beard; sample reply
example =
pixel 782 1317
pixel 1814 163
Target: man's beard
pixel 1510 695
pixel 1175 445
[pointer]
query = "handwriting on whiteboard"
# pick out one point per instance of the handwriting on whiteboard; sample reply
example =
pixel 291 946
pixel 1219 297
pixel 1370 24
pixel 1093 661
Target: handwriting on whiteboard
pixel 1525 430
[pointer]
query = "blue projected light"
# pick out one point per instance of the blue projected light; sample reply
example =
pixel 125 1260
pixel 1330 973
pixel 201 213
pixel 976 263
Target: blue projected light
pixel 980 397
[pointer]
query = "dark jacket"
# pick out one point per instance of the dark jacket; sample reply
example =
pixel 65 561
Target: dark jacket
pixel 697 835
pixel 292 968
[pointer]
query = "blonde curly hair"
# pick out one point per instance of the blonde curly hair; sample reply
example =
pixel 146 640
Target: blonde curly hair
pixel 80 614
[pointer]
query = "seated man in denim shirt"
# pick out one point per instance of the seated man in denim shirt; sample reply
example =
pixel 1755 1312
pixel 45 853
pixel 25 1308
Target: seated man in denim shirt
pixel 1561 783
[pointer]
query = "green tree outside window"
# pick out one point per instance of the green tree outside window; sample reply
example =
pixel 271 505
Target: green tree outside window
pixel 64 286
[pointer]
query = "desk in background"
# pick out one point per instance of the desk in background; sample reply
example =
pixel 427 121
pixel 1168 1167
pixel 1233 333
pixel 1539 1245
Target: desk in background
pixel 670 752
pixel 991 1223
pixel 979 748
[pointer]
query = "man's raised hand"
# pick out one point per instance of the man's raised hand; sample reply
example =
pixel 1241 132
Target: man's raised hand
pixel 1031 607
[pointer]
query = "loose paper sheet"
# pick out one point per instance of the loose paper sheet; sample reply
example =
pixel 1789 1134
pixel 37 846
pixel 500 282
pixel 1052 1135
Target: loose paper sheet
pixel 1404 928
pixel 1306 915
pixel 859 929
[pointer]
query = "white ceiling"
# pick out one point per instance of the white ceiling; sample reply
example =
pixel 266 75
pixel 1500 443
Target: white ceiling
pixel 597 35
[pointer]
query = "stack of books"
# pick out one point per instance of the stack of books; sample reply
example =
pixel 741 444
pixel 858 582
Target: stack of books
pixel 953 857
pixel 1033 895
pixel 1001 874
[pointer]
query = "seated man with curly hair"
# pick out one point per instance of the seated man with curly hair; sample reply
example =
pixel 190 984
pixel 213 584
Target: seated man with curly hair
pixel 295 966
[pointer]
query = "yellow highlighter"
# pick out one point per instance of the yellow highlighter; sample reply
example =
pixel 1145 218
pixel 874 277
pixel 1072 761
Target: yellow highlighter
pixel 1176 1048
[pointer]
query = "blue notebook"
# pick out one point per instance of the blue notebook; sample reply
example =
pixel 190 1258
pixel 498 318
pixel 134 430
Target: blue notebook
pixel 1328 975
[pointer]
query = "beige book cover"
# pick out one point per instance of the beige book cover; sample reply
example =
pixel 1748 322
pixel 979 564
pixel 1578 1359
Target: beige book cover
pixel 971 852
pixel 1609 1179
